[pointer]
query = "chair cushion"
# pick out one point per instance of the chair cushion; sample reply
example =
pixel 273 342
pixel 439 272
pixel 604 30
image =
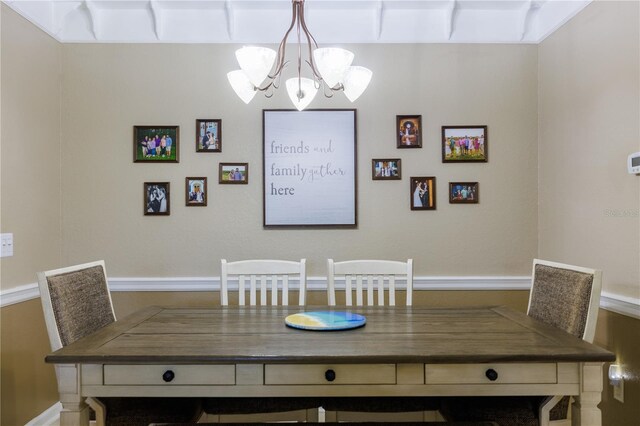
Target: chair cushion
pixel 81 303
pixel 560 297
pixel 505 411
pixel 142 411
pixel 381 404
pixel 257 405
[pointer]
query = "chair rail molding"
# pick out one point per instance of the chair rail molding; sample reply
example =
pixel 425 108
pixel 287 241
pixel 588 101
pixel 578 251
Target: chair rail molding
pixel 623 305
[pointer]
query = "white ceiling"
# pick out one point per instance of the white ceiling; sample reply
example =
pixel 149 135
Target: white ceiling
pixel 330 21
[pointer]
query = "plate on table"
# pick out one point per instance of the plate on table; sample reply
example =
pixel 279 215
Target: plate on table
pixel 325 320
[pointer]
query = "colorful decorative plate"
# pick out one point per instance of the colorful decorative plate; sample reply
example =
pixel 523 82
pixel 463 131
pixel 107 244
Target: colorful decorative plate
pixel 325 320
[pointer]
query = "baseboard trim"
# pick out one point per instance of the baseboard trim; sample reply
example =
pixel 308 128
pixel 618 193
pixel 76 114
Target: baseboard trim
pixel 49 417
pixel 615 303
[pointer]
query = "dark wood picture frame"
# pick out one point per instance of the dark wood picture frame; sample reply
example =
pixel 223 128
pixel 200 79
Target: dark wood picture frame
pixel 457 147
pixel 464 193
pixel 320 139
pixel 224 175
pixel 191 184
pixel 380 172
pixel 169 152
pixel 204 126
pixel 408 131
pixel 154 194
pixel 418 196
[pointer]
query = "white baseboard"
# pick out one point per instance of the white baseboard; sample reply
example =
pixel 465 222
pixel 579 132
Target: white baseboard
pixel 615 303
pixel 49 417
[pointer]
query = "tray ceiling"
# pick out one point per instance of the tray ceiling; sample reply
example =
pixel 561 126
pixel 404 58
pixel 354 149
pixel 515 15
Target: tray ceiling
pixel 330 21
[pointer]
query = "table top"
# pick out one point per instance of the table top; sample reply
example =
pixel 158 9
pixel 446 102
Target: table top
pixel 392 335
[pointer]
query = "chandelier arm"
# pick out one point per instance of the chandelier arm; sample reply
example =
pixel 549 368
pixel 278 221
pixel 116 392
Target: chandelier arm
pixel 280 62
pixel 311 42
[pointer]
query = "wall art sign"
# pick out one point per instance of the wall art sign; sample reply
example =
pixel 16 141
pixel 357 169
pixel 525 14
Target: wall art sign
pixel 309 168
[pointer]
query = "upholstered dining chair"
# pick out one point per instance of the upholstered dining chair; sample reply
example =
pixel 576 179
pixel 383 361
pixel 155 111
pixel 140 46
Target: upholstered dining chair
pixel 77 302
pixel 566 297
pixel 378 279
pixel 267 282
pixel 369 275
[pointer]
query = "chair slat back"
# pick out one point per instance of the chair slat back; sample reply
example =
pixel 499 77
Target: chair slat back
pixel 566 296
pixel 263 277
pixel 371 276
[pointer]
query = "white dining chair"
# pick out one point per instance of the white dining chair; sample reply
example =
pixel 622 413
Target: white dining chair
pixel 77 302
pixel 261 277
pixel 379 276
pixel 566 297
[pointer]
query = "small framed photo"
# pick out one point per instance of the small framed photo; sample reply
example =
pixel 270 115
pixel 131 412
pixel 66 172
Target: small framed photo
pixel 156 144
pixel 423 193
pixel 464 144
pixel 234 173
pixel 385 169
pixel 156 199
pixel 463 192
pixel 208 135
pixel 409 131
pixel 195 191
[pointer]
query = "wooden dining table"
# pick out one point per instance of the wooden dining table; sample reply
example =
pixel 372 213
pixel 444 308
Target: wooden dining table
pixel 401 351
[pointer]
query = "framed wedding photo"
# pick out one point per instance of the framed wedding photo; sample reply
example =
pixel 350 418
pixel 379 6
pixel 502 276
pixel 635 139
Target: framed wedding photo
pixel 464 144
pixel 208 135
pixel 463 192
pixel 156 144
pixel 386 169
pixel 423 193
pixel 409 131
pixel 156 199
pixel 234 173
pixel 195 191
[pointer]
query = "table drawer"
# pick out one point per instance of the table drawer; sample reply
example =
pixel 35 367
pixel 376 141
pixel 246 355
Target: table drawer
pixel 169 375
pixel 490 373
pixel 340 374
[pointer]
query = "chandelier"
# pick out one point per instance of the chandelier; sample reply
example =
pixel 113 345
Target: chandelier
pixel 331 70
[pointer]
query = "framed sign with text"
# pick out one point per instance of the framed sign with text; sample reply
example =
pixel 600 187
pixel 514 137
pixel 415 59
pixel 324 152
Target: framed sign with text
pixel 309 168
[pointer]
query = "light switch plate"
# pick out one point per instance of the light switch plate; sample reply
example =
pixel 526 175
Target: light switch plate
pixel 6 247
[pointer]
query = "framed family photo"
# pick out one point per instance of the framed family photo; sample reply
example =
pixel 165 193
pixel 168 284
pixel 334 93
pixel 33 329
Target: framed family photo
pixel 423 193
pixel 156 199
pixel 386 169
pixel 195 191
pixel 409 131
pixel 463 192
pixel 208 135
pixel 464 144
pixel 156 144
pixel 234 173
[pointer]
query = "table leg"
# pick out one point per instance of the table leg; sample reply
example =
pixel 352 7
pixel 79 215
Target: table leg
pixel 75 411
pixel 585 410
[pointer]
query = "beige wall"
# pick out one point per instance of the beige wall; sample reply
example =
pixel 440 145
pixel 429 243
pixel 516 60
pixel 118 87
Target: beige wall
pixel 589 112
pixel 588 75
pixel 30 163
pixel 589 107
pixel 109 88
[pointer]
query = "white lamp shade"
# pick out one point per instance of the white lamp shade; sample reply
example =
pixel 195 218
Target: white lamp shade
pixel 309 90
pixel 356 80
pixel 332 63
pixel 256 62
pixel 241 85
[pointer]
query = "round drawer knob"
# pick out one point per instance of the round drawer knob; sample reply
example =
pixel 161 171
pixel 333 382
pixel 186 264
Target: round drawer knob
pixel 330 375
pixel 491 374
pixel 168 376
